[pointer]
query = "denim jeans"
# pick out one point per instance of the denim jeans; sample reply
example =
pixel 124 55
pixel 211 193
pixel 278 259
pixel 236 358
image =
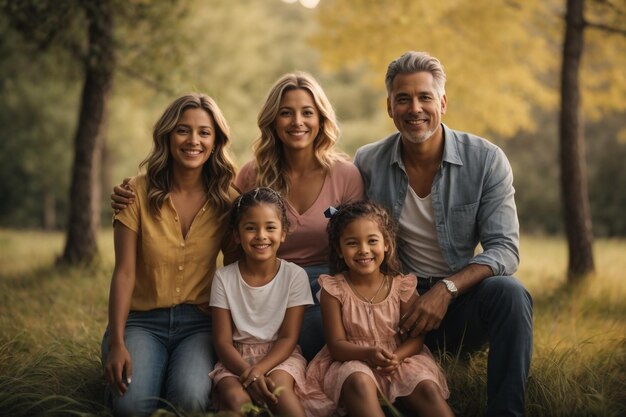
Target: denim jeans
pixel 172 354
pixel 311 338
pixel 497 312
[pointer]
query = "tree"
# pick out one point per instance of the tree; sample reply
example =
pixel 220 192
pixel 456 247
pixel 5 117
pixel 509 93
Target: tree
pixel 574 190
pixel 577 216
pixel 62 25
pixel 99 62
pixel 47 23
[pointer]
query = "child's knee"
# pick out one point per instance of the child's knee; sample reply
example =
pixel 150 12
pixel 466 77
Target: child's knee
pixel 427 391
pixel 359 384
pixel 233 400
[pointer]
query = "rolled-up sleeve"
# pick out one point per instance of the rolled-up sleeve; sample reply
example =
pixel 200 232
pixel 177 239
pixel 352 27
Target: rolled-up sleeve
pixel 498 225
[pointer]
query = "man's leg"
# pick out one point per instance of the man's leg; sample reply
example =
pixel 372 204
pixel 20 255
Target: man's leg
pixel 498 311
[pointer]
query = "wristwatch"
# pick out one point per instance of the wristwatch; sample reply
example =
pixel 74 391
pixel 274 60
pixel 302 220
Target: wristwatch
pixel 450 287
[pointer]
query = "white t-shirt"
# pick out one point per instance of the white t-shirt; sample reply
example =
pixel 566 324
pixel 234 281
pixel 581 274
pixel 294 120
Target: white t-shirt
pixel 417 238
pixel 258 312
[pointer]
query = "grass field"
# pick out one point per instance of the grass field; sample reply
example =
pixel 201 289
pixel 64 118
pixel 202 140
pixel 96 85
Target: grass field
pixel 52 319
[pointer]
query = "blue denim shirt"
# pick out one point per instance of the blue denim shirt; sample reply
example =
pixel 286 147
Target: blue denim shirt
pixel 472 196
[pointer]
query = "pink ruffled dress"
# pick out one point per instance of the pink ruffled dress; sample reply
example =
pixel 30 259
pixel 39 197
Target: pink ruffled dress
pixel 367 325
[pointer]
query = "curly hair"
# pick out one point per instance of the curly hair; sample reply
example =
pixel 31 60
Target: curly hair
pixel 346 214
pixel 268 149
pixel 254 197
pixel 217 173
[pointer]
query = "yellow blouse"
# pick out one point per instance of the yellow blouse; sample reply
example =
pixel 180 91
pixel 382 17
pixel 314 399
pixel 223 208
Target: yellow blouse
pixel 170 269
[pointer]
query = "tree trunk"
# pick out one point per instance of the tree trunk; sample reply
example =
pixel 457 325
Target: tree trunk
pixel 573 166
pixel 81 245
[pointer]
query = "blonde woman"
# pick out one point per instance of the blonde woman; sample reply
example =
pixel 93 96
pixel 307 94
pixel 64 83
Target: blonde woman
pixel 158 342
pixel 295 155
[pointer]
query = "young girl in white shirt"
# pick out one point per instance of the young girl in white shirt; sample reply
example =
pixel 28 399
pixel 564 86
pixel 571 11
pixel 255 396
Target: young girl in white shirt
pixel 257 306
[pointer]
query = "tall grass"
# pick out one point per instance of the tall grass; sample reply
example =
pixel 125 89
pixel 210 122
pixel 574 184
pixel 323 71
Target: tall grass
pixel 52 319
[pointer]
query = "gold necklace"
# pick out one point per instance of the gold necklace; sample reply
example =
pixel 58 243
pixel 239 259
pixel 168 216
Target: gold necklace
pixel 383 281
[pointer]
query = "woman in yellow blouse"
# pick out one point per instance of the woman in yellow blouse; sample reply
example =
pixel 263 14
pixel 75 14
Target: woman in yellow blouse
pixel 158 341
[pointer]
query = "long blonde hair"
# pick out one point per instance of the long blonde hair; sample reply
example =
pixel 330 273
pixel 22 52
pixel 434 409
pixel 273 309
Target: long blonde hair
pixel 271 170
pixel 217 173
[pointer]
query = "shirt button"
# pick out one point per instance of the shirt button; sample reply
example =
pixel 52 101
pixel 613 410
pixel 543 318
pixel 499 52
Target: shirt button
pixel 180 267
pixel 182 244
pixel 177 289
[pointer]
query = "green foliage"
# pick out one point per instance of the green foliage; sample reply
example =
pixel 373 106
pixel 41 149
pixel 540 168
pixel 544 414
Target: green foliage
pixel 502 62
pixel 35 129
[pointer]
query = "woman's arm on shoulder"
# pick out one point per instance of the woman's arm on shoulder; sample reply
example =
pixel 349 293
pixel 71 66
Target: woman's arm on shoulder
pixel 123 195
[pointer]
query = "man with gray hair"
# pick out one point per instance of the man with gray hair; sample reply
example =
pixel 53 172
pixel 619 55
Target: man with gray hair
pixel 449 192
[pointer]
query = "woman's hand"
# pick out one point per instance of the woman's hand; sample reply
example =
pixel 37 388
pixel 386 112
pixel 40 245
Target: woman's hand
pixel 122 196
pixel 118 369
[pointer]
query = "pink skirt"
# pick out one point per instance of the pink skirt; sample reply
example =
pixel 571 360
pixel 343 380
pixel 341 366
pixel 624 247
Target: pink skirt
pixel 294 365
pixel 325 378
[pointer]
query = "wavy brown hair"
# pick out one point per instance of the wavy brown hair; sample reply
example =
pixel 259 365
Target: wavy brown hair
pixel 217 173
pixel 346 214
pixel 268 149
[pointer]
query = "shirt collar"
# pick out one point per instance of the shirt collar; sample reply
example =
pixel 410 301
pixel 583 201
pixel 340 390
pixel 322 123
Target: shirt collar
pixel 450 147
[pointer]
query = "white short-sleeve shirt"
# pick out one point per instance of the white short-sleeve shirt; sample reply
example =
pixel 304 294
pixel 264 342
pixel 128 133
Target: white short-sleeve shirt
pixel 258 312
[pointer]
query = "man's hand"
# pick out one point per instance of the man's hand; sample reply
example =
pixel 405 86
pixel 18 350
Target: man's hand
pixel 122 196
pixel 426 312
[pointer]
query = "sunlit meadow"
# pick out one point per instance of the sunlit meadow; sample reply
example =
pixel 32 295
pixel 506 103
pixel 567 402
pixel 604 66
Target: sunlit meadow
pixel 51 321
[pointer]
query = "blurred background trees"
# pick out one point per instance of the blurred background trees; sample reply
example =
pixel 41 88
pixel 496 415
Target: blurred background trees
pixel 502 59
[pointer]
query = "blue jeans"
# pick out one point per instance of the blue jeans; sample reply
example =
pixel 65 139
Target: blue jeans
pixel 498 312
pixel 172 354
pixel 311 338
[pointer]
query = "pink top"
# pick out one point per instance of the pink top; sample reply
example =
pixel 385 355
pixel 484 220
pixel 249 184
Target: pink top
pixel 307 241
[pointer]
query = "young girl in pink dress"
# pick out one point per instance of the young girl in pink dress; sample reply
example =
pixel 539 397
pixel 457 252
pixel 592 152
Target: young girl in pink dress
pixel 257 308
pixel 361 308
